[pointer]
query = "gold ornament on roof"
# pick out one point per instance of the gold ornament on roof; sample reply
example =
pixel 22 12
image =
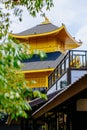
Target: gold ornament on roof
pixel 46 20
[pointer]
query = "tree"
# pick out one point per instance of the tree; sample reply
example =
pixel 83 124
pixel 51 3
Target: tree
pixel 13 86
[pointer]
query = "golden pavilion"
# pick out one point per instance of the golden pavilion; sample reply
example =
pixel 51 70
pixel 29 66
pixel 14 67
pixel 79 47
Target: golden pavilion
pixel 51 39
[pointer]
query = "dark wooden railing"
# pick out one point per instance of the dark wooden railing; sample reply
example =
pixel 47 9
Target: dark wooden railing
pixel 76 59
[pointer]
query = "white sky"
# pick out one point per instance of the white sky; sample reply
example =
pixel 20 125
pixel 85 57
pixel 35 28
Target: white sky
pixel 73 13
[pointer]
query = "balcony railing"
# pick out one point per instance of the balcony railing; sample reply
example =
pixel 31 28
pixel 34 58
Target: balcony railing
pixel 74 59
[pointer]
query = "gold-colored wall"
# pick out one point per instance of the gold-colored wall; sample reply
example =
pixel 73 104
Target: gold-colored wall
pixel 46 44
pixel 40 79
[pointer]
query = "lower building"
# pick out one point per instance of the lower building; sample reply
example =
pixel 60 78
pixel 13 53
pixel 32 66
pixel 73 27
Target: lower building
pixel 67 108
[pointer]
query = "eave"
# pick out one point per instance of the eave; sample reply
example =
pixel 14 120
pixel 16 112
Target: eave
pixel 66 38
pixel 36 71
pixel 36 35
pixel 61 33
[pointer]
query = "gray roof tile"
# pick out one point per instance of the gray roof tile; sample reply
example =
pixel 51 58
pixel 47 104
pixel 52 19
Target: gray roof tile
pixel 42 64
pixel 39 29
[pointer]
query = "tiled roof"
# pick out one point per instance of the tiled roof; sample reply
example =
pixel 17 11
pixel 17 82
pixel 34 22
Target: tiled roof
pixel 44 64
pixel 39 101
pixel 39 29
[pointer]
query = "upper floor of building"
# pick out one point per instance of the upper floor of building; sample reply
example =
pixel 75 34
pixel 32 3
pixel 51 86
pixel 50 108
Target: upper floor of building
pixel 71 67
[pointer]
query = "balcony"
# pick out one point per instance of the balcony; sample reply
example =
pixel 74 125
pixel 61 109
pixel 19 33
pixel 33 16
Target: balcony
pixel 70 69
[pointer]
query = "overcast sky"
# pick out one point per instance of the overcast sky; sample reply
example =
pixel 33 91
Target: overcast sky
pixel 73 13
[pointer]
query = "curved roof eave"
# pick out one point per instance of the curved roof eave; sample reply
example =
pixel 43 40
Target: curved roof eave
pixel 73 39
pixel 37 35
pixel 56 31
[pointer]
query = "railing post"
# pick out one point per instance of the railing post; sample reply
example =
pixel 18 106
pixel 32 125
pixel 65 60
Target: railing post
pixel 69 59
pixel 68 76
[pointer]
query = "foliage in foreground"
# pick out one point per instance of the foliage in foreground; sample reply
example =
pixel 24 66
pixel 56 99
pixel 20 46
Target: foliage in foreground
pixel 14 91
